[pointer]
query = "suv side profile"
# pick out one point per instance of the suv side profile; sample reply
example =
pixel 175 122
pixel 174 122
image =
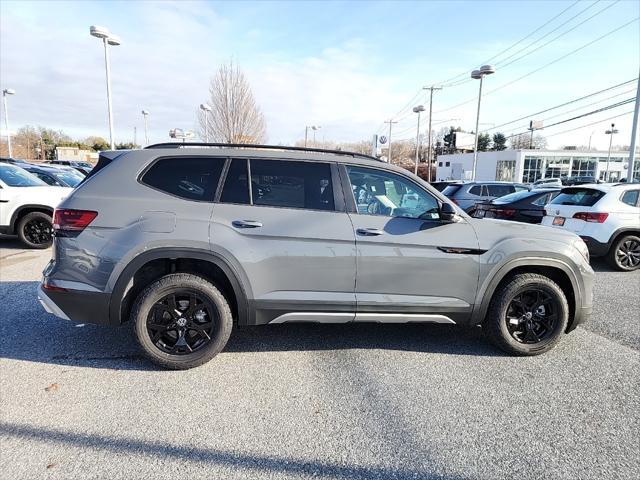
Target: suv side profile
pixel 467 195
pixel 186 241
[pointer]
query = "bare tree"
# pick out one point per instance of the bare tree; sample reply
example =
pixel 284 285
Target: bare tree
pixel 235 117
pixel 523 141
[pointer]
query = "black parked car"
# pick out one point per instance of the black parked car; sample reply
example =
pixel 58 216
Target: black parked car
pixel 525 206
pixel 55 176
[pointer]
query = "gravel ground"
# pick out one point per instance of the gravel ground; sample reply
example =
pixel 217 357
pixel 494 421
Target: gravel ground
pixel 305 401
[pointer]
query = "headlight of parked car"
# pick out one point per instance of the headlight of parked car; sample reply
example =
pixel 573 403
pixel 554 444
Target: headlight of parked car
pixel 582 248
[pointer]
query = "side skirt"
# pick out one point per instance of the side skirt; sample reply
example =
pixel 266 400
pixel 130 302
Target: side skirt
pixel 346 317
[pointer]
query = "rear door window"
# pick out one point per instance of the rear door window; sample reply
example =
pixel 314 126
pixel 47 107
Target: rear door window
pixel 476 190
pixel 191 178
pixel 291 184
pixel 580 197
pixel 500 190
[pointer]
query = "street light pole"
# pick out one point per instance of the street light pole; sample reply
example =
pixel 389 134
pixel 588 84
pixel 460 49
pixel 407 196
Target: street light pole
pixel 634 133
pixel 610 133
pixel 5 92
pixel 431 88
pixel 107 39
pixel 418 109
pixel 145 114
pixel 478 75
pixel 207 110
pixel 390 122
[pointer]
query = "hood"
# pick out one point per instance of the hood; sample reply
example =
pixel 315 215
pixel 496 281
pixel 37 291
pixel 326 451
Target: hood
pixel 491 232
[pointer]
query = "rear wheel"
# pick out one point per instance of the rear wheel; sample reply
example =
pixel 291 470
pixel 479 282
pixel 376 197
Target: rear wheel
pixel 35 230
pixel 625 253
pixel 527 315
pixel 182 321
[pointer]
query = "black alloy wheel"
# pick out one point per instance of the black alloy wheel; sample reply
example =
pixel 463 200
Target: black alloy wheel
pixel 531 316
pixel 38 231
pixel 181 322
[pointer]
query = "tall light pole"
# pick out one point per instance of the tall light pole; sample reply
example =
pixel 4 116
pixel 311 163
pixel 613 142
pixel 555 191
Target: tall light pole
pixel 5 92
pixel 634 134
pixel 390 122
pixel 207 110
pixel 479 75
pixel 306 133
pixel 431 89
pixel 418 109
pixel 107 39
pixel 145 114
pixel 610 133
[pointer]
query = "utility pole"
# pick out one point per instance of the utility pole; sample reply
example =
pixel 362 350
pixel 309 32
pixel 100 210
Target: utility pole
pixel 135 136
pixel 634 133
pixel 431 89
pixel 390 122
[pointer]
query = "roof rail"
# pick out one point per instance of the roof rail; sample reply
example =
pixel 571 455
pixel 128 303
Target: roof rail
pixel 260 147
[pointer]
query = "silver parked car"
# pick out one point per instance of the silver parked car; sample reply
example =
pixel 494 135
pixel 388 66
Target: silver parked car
pixel 468 194
pixel 187 240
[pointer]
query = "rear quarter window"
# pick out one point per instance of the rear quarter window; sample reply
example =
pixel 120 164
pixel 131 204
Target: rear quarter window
pixel 630 197
pixel 450 190
pixel 581 197
pixel 191 178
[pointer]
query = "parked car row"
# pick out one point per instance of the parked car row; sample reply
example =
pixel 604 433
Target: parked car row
pixel 29 194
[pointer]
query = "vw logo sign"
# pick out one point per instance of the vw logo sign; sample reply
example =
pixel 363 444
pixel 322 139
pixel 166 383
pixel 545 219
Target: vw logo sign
pixel 382 139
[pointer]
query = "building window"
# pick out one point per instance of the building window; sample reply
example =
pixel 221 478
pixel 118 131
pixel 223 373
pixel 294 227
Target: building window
pixel 447 164
pixel 440 164
pixel 584 167
pixel 557 167
pixel 506 170
pixel 532 169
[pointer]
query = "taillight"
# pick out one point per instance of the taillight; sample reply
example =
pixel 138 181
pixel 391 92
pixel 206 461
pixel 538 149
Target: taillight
pixel 69 220
pixel 591 217
pixel 504 212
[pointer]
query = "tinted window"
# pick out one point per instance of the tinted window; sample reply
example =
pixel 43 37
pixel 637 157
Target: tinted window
pixel 500 190
pixel 516 197
pixel 582 197
pixel 630 197
pixel 383 193
pixel 476 190
pixel 185 177
pixel 279 183
pixel 46 178
pixel 17 177
pixel 236 186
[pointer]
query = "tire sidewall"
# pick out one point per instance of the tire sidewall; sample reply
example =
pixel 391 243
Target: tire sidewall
pixel 23 223
pixel 614 253
pixel 560 326
pixel 164 286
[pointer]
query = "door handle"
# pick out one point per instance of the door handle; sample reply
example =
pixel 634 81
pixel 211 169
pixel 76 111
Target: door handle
pixel 246 224
pixel 369 232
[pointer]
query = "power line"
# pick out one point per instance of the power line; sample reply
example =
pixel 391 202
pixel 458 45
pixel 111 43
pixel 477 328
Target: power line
pixel 590 124
pixel 611 32
pixel 608 107
pixel 531 115
pixel 515 44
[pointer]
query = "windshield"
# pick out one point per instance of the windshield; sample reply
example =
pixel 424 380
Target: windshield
pixel 451 189
pixel 17 177
pixel 581 197
pixel 70 177
pixel 516 197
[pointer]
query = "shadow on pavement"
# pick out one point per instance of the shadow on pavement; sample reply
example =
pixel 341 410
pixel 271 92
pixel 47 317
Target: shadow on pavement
pixel 249 462
pixel 28 333
pixel 10 242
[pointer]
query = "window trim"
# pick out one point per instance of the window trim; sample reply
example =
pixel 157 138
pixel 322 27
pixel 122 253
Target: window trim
pixel 352 208
pixel 144 171
pixel 338 195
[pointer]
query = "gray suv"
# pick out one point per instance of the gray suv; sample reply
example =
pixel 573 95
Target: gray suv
pixel 187 240
pixel 467 195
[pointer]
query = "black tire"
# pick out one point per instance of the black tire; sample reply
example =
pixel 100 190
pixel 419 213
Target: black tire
pixel 35 230
pixel 213 307
pixel 624 254
pixel 504 311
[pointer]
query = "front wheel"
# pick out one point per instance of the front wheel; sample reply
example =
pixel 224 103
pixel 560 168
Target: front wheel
pixel 527 315
pixel 181 321
pixel 624 254
pixel 35 230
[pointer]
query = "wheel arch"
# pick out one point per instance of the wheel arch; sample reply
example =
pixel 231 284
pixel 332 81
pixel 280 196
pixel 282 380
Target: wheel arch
pixel 557 270
pixel 23 210
pixel 620 232
pixel 153 264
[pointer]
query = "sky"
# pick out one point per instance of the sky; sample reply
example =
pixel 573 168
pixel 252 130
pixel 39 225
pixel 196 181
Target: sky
pixel 345 66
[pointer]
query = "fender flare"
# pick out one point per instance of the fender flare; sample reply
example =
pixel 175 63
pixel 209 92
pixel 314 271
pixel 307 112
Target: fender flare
pixel 121 284
pixel 486 291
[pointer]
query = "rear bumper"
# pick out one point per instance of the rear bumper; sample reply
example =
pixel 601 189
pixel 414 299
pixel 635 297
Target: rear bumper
pixel 596 248
pixel 76 305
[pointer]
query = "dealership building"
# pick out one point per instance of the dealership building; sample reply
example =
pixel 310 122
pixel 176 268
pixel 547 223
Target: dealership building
pixel 527 166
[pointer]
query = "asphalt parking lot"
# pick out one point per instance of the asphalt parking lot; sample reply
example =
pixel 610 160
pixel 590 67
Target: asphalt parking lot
pixel 304 401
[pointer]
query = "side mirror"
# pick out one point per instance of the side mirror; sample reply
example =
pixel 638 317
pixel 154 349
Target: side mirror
pixel 448 213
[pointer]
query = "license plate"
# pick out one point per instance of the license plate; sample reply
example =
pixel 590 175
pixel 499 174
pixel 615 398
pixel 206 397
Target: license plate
pixel 559 221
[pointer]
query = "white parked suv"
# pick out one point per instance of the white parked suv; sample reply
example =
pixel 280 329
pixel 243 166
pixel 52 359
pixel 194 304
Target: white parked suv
pixel 26 206
pixel 547 183
pixel 606 216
